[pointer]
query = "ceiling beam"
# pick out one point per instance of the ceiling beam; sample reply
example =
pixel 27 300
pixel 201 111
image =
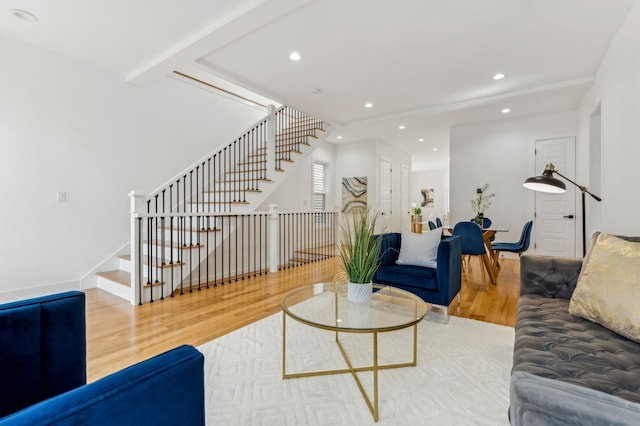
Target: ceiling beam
pixel 247 17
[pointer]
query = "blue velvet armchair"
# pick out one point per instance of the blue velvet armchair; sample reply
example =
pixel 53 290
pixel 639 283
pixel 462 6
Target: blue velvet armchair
pixel 437 286
pixel 43 373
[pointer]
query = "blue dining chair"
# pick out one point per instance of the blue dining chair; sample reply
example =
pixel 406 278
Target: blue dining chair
pixel 432 225
pixel 472 243
pixel 486 222
pixel 519 247
pixel 438 222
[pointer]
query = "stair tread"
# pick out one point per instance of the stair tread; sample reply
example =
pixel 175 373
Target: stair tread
pixel 241 180
pixel 175 228
pixel 167 243
pixel 154 261
pixel 262 169
pixel 300 260
pixel 293 135
pixel 319 251
pixel 248 163
pixel 117 276
pixel 218 202
pixel 232 190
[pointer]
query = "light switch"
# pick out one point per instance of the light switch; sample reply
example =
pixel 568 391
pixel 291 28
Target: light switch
pixel 61 197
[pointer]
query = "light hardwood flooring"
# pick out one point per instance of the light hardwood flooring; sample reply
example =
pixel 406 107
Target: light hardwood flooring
pixel 120 334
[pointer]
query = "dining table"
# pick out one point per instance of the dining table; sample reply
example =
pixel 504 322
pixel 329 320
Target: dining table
pixel 489 257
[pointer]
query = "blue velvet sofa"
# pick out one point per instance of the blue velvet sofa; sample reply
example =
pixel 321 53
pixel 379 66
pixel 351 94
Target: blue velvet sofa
pixel 437 286
pixel 43 373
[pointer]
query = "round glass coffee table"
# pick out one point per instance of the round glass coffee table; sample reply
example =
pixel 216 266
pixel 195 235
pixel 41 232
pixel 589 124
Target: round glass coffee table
pixel 326 306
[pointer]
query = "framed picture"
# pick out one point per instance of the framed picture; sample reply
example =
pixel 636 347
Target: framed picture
pixel 427 197
pixel 354 194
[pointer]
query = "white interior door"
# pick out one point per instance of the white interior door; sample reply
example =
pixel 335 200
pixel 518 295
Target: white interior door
pixel 556 215
pixel 386 182
pixel 404 194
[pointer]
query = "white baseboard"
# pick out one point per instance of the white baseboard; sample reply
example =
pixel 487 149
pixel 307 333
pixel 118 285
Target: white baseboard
pixel 43 290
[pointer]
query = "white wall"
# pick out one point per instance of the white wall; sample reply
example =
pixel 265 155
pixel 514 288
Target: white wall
pixel 356 160
pixel 65 126
pixel 617 91
pixel 363 159
pixel 501 153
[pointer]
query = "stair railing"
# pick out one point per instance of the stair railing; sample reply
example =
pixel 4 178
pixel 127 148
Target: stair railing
pixel 239 246
pixel 201 198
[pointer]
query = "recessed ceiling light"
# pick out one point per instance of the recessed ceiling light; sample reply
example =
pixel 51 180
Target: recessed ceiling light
pixel 24 15
pixel 421 140
pixel 402 127
pixel 338 137
pixel 498 76
pixel 435 149
pixel 506 111
pixel 295 56
pixel 368 105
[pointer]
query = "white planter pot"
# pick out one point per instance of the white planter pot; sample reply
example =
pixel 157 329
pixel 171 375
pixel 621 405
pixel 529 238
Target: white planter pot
pixel 359 293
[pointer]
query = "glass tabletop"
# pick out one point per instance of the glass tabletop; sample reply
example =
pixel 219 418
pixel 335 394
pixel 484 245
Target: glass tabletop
pixel 326 306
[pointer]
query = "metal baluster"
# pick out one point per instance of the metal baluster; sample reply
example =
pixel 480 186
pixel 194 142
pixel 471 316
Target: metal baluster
pixel 163 262
pixel 159 240
pixel 229 256
pixel 222 238
pixel 199 252
pixel 265 219
pixel 150 265
pixel 139 261
pixel 242 250
pixel 226 173
pixel 215 250
pixel 171 237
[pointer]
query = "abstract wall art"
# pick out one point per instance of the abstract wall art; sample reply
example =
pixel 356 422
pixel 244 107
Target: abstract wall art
pixel 427 197
pixel 354 194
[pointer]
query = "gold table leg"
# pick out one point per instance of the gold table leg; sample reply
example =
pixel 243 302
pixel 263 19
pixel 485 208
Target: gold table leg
pixel 375 368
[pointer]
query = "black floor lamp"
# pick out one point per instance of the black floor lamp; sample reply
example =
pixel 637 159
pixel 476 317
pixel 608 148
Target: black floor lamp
pixel 547 183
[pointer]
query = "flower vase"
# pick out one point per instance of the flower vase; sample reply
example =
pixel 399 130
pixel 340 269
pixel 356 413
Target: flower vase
pixel 359 293
pixel 479 219
pixel 416 223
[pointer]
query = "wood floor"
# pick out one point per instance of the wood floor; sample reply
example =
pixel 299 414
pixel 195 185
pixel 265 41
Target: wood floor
pixel 120 334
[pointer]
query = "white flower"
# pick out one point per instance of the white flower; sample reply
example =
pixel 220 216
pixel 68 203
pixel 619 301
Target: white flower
pixel 483 201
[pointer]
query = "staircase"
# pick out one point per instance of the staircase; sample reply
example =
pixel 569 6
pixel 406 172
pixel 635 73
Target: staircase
pixel 200 229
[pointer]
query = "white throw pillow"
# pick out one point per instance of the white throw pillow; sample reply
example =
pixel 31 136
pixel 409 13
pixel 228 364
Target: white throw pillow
pixel 419 249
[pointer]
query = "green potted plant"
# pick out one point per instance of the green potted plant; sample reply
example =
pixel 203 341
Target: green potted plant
pixel 416 219
pixel 359 251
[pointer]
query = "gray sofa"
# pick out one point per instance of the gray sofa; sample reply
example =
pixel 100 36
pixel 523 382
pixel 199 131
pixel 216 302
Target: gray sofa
pixel 567 370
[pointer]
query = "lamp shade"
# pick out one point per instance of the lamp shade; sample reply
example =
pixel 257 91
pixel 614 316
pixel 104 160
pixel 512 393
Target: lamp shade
pixel 545 183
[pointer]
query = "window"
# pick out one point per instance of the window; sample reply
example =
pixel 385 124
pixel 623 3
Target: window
pixel 319 187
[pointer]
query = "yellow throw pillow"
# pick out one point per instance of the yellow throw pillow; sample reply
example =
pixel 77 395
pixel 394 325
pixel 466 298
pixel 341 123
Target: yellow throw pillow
pixel 608 290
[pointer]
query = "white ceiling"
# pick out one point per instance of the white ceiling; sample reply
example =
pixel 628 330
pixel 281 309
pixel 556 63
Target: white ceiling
pixel 426 64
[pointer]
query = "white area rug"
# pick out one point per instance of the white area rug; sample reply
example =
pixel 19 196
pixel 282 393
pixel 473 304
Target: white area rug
pixel 462 377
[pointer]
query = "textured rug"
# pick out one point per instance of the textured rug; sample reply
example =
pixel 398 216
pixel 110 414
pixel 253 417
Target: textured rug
pixel 462 376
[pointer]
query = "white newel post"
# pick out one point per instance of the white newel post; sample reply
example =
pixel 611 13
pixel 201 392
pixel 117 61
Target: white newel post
pixel 271 141
pixel 137 206
pixel 273 238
